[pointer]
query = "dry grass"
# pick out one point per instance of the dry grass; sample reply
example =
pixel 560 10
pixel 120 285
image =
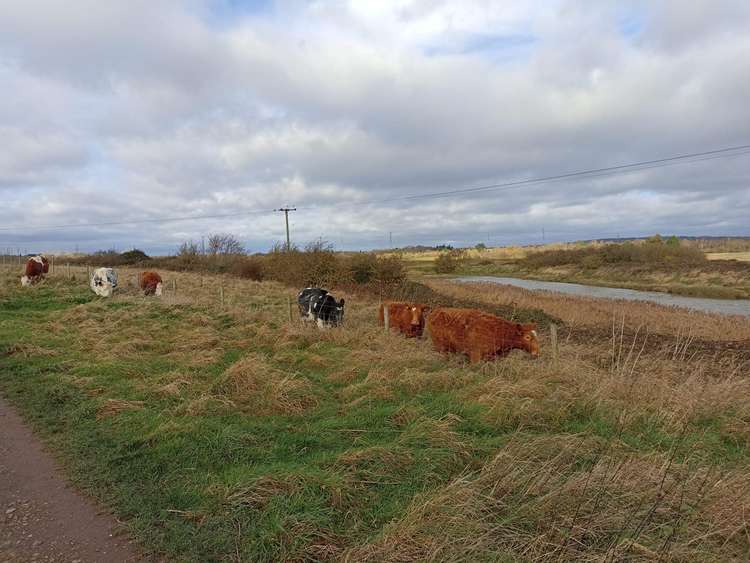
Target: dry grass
pixel 667 392
pixel 253 385
pixel 740 256
pixel 583 311
pixel 112 407
pixel 492 253
pixel 572 498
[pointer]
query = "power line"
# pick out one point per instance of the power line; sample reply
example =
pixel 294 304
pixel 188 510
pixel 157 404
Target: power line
pixel 588 173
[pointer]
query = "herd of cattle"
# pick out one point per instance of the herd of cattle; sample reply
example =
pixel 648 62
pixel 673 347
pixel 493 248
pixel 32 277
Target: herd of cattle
pixel 471 332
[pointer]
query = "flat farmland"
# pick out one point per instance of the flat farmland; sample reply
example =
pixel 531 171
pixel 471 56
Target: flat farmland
pixel 739 256
pixel 216 428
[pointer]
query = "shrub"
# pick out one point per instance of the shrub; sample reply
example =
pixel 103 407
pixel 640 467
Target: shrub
pixel 133 256
pixel 653 251
pixel 249 268
pixel 362 267
pixel 448 262
pixel 389 270
pixel 592 261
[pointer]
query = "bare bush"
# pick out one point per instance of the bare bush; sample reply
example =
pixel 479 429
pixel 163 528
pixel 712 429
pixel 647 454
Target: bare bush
pixel 224 243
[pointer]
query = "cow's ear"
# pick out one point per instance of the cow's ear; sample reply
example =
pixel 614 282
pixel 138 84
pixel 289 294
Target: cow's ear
pixel 341 303
pixel 519 327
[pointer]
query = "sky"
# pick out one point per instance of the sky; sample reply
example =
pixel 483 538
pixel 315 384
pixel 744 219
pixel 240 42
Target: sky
pixel 220 111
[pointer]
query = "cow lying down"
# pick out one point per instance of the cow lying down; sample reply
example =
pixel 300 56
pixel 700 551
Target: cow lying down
pixel 318 306
pixel 408 318
pixel 479 335
pixel 104 282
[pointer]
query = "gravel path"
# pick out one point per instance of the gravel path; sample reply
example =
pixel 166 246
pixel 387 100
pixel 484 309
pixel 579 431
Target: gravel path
pixel 42 517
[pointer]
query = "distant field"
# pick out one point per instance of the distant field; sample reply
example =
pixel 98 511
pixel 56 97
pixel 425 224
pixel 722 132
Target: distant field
pixel 491 253
pixel 741 256
pixel 226 432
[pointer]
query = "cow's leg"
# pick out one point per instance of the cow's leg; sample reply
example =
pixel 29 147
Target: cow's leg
pixel 475 356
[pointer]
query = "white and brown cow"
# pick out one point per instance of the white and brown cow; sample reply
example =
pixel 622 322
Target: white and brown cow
pixel 36 267
pixel 104 282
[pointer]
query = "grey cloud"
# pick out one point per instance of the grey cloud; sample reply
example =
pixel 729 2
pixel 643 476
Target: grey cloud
pixel 315 105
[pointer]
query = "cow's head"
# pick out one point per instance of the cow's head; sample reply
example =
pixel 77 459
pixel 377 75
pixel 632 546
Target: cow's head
pixel 418 314
pixel 25 281
pixel 158 289
pixel 526 333
pixel 339 312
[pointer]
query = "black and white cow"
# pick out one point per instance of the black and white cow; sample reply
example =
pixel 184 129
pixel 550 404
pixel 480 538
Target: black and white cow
pixel 104 282
pixel 319 306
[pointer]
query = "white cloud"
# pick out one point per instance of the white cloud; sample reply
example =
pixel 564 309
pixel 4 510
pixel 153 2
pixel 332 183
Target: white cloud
pixel 127 110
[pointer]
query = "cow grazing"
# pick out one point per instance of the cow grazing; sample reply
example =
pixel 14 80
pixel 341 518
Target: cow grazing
pixel 151 283
pixel 104 281
pixel 36 267
pixel 479 335
pixel 319 306
pixel 408 318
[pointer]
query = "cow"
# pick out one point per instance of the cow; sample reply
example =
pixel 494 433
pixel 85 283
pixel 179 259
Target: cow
pixel 479 335
pixel 36 267
pixel 408 318
pixel 319 306
pixel 151 283
pixel 104 281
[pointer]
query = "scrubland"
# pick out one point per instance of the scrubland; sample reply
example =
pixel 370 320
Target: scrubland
pixel 655 264
pixel 223 431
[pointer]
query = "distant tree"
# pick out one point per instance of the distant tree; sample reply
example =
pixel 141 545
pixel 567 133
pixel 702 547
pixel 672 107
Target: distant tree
pixel 481 246
pixel 188 248
pixel 673 241
pixel 224 243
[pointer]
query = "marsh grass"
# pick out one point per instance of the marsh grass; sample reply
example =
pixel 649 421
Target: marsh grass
pixel 225 432
pixel 589 312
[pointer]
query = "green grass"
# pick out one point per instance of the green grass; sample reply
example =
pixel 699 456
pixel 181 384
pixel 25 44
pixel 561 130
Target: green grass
pixel 138 405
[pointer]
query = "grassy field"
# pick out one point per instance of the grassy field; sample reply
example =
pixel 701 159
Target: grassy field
pixel 739 256
pixel 223 431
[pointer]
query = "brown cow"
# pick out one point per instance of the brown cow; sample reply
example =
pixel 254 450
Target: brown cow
pixel 151 283
pixel 479 335
pixel 408 318
pixel 36 267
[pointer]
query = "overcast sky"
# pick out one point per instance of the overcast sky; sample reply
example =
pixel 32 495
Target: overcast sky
pixel 115 111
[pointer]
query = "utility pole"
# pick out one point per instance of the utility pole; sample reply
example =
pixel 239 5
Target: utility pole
pixel 286 211
pixel 390 238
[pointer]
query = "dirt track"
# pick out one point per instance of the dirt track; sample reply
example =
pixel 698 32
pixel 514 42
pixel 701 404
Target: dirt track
pixel 42 518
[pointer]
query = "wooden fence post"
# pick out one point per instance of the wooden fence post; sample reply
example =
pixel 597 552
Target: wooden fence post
pixel 174 287
pixel 553 340
pixel 385 317
pixel 52 268
pixel 221 294
pixel 67 266
pixel 289 307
